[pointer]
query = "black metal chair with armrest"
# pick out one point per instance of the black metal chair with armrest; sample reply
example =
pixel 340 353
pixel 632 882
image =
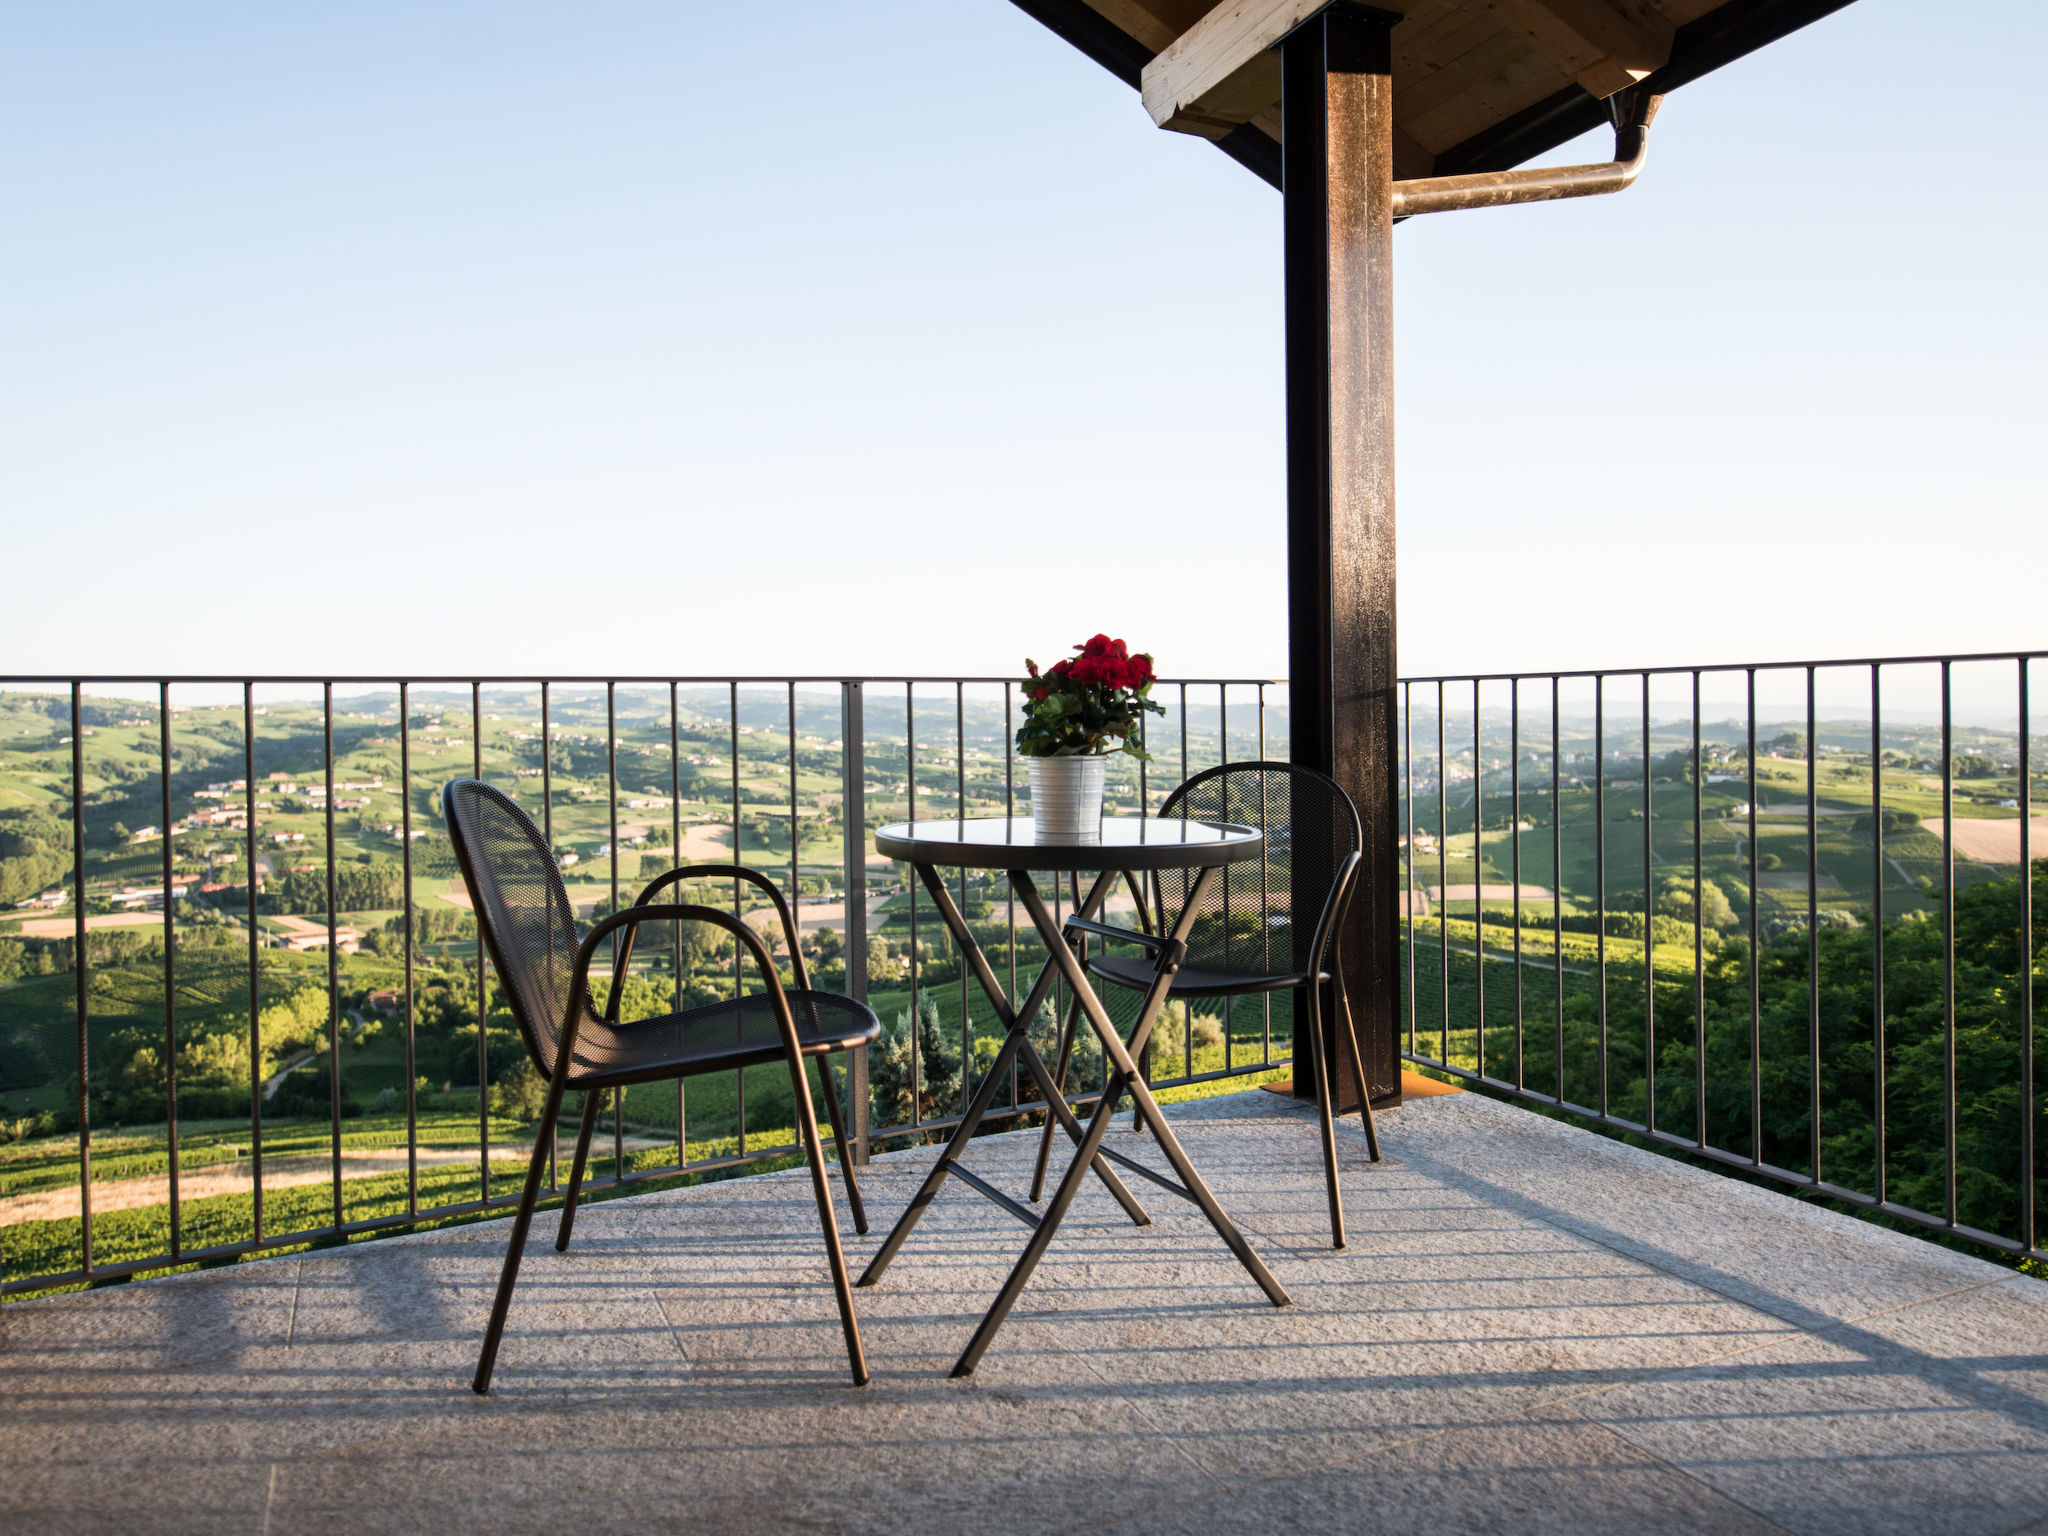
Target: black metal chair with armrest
pixel 1250 941
pixel 529 928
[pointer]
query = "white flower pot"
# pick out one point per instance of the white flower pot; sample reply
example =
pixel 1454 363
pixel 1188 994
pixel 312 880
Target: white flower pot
pixel 1066 797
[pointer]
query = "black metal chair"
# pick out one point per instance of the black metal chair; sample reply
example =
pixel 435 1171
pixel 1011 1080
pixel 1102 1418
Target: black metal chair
pixel 530 928
pixel 1250 939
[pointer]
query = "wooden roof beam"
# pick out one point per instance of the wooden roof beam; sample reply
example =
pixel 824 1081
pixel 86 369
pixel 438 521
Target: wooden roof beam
pixel 1605 45
pixel 1222 71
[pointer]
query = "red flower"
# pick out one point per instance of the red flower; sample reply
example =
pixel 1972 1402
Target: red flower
pixel 1040 693
pixel 1031 667
pixel 1099 646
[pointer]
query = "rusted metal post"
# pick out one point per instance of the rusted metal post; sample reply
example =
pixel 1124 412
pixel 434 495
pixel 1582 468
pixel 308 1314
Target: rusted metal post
pixel 1337 120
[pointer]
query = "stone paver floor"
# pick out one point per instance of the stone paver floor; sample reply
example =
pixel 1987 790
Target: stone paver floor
pixel 1534 1329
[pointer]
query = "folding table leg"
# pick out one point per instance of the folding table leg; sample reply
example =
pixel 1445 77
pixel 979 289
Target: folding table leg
pixel 1015 1043
pixel 1020 1273
pixel 1059 1079
pixel 928 1191
pixel 1113 1047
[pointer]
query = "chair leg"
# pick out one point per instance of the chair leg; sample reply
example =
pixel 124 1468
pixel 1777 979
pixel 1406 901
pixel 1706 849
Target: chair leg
pixel 1326 1101
pixel 807 1122
pixel 1372 1135
pixel 832 1108
pixel 522 1222
pixel 1052 1121
pixel 591 1101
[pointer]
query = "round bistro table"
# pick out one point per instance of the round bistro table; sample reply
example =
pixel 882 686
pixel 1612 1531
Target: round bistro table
pixel 1124 845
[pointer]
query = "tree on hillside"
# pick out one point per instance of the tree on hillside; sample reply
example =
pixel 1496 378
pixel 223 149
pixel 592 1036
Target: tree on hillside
pixel 35 852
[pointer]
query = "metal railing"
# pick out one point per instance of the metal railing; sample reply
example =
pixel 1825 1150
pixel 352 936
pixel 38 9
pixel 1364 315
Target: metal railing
pixel 1723 917
pixel 555 744
pixel 1725 920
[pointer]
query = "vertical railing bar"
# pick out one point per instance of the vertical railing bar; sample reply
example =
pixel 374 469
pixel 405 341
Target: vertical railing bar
pixel 1266 998
pixel 1183 733
pixel 547 770
pixel 2026 968
pixel 1184 769
pixel 611 775
pixel 1557 868
pixel 334 956
pixel 483 1002
pixel 796 883
pixel 80 966
pixel 547 822
pixel 1010 810
pixel 1812 931
pixel 1187 1014
pixel 739 1076
pixel 1699 952
pixel 853 815
pixel 406 920
pixel 1408 810
pixel 675 853
pixel 1600 867
pixel 1948 943
pixel 910 886
pixel 1478 883
pixel 1515 852
pixel 960 798
pixel 1649 925
pixel 255 989
pixel 163 722
pixel 1880 1046
pixel 1443 877
pixel 1756 1047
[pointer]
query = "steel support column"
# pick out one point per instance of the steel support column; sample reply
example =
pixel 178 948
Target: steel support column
pixel 1337 118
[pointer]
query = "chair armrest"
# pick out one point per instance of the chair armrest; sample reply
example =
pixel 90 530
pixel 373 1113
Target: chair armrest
pixel 631 918
pixel 753 877
pixel 1173 948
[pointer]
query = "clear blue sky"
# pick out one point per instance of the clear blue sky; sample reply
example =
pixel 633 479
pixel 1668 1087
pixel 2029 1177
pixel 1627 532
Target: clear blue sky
pixel 821 337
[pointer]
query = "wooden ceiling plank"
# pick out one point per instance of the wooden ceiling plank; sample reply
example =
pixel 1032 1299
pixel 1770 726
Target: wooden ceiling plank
pixel 1491 85
pixel 1456 75
pixel 1606 45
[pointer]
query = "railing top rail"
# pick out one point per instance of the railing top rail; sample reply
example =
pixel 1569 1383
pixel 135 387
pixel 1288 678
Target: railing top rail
pixel 65 679
pixel 663 680
pixel 1732 666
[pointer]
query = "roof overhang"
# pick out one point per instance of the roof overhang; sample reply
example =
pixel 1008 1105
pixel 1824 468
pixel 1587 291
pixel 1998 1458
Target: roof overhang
pixel 1479 85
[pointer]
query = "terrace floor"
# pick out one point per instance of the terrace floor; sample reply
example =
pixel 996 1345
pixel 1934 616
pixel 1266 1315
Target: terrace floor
pixel 1534 1329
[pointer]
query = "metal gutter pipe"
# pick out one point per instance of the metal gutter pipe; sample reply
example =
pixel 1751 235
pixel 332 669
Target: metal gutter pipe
pixel 1631 110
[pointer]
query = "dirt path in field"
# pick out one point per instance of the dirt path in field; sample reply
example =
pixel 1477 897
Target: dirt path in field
pixel 813 915
pixel 65 927
pixel 1540 895
pixel 238 1177
pixel 1988 841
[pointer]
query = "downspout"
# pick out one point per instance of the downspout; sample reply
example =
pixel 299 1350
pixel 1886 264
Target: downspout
pixel 1631 110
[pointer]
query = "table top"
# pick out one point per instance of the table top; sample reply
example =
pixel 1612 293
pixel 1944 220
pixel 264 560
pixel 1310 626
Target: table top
pixel 1126 842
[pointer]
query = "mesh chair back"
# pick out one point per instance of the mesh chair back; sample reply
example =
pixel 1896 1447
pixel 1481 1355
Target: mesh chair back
pixel 1260 917
pixel 528 922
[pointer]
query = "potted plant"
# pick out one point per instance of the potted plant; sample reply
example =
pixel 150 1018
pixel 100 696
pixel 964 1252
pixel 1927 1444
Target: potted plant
pixel 1076 713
